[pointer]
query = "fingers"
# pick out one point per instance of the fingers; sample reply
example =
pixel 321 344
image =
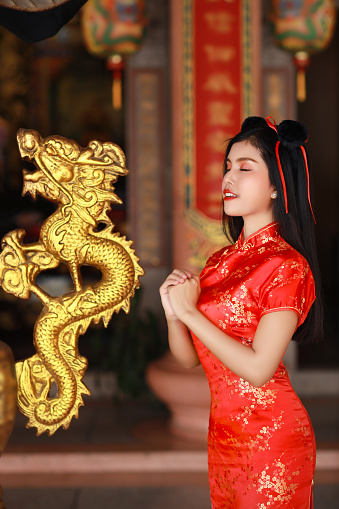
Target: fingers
pixel 172 280
pixel 196 278
pixel 181 275
pixel 178 276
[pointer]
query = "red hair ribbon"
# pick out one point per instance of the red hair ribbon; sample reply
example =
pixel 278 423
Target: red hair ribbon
pixel 274 127
pixel 308 180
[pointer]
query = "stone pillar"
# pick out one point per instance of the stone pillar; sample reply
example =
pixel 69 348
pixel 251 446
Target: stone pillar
pixel 278 80
pixel 148 153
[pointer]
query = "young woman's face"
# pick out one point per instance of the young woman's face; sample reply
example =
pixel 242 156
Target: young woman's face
pixel 246 187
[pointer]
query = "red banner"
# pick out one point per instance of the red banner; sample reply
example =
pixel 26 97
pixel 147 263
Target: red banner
pixel 218 94
pixel 215 50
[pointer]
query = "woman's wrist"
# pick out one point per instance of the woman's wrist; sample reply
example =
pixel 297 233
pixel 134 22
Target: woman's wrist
pixel 172 318
pixel 189 315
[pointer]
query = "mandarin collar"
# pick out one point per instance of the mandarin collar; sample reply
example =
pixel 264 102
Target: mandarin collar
pixel 265 234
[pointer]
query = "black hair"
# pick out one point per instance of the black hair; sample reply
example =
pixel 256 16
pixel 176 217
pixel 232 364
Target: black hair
pixel 296 227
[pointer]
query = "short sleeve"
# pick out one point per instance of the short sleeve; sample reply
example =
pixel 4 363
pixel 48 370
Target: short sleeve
pixel 290 286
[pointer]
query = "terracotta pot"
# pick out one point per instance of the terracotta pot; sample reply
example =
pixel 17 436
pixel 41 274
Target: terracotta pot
pixel 186 394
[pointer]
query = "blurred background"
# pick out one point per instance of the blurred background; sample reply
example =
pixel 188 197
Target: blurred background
pixel 168 81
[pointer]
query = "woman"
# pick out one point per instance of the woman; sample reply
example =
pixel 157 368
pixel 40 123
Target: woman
pixel 252 298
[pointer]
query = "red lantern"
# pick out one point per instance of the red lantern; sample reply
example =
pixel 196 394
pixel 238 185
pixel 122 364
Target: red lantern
pixel 303 27
pixel 114 29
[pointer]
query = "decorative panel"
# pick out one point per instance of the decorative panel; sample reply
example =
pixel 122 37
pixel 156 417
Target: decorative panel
pixel 147 164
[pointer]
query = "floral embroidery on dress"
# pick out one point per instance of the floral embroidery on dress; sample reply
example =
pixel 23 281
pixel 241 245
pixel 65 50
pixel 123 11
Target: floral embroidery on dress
pixel 261 443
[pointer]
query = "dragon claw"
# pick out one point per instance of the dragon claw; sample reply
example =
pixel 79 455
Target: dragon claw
pixel 13 240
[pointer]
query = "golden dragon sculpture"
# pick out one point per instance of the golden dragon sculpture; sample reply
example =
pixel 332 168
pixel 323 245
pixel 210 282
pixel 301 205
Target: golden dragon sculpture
pixel 80 181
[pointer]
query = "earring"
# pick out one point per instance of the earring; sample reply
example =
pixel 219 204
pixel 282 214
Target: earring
pixel 274 195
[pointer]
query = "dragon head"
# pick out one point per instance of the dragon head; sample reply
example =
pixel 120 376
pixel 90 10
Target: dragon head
pixel 69 174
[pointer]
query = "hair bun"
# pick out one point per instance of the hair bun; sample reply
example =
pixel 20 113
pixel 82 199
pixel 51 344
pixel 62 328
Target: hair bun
pixel 292 134
pixel 253 123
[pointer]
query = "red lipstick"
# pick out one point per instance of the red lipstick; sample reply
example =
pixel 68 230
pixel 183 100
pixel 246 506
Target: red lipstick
pixel 229 195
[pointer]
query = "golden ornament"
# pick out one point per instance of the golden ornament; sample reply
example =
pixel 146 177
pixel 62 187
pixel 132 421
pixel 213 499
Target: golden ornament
pixel 80 181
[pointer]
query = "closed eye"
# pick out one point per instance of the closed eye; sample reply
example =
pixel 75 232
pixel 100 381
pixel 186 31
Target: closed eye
pixel 241 169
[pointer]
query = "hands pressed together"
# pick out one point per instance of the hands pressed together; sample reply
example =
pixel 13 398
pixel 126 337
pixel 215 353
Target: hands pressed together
pixel 179 294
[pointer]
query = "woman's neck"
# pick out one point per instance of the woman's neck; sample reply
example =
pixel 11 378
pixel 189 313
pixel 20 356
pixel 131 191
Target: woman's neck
pixel 252 225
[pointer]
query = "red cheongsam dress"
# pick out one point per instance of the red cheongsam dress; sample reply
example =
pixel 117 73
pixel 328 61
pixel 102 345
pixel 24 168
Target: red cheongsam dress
pixel 261 446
